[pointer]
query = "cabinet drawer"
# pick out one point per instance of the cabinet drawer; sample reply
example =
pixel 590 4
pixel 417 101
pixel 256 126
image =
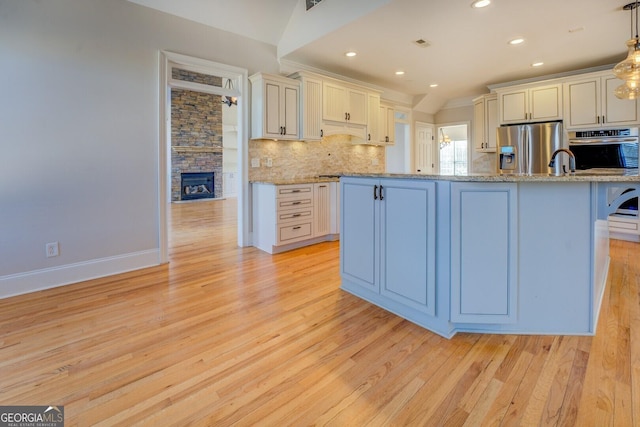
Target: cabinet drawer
pixel 292 232
pixel 295 214
pixel 293 190
pixel 294 203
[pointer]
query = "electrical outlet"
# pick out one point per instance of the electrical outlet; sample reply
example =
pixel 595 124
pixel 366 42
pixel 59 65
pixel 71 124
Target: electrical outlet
pixel 255 163
pixel 269 162
pixel 374 162
pixel 51 249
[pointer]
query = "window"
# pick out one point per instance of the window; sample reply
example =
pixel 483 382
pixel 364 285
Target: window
pixel 454 150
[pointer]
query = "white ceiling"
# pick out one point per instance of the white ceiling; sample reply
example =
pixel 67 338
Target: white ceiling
pixel 468 47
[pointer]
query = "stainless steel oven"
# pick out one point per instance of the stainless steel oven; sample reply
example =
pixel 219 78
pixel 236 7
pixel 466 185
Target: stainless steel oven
pixel 605 148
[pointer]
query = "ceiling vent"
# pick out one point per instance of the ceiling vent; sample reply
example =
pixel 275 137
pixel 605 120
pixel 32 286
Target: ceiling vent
pixel 422 43
pixel 311 3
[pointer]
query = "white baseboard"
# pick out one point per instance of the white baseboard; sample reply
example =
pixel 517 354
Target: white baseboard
pixel 37 280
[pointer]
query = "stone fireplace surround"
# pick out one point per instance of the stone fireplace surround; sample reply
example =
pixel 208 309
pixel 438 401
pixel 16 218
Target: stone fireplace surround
pixel 196 131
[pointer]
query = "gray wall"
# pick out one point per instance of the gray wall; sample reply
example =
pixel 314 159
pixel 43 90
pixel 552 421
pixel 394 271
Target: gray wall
pixel 79 120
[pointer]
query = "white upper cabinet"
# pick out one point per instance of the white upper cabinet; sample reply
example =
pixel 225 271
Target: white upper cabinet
pixel 310 106
pixel 590 102
pixel 343 103
pixel 387 126
pixel 530 104
pixel 485 122
pixel 274 107
pixel 373 121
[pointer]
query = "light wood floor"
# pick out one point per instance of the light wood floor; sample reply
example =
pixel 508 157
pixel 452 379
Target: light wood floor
pixel 230 336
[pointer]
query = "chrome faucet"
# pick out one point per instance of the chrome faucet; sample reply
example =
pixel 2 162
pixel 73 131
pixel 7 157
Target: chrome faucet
pixel 572 159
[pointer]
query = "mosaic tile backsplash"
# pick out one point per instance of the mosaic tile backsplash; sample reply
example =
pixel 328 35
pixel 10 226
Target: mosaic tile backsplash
pixel 300 159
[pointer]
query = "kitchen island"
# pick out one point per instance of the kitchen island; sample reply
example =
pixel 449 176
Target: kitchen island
pixel 525 254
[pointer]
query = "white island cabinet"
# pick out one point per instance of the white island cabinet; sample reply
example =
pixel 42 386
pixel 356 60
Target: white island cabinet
pixel 484 254
pixel 484 261
pixel 388 252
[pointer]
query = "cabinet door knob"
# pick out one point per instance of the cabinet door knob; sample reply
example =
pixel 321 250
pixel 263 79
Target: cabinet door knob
pixel 368 137
pixel 375 192
pixel 321 133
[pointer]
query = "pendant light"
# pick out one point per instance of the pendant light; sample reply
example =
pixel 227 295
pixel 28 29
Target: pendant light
pixel 444 140
pixel 629 69
pixel 229 100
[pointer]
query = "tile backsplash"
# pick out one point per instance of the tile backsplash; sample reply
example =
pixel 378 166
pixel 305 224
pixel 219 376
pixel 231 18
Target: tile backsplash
pixel 300 159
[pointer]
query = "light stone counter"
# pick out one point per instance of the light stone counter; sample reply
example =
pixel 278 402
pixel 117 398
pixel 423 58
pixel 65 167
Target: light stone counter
pixel 590 175
pixel 308 180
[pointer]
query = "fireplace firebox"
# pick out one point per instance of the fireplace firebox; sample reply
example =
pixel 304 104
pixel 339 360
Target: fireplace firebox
pixel 197 185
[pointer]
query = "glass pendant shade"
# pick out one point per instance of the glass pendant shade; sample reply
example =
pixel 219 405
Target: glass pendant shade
pixel 628 90
pixel 629 69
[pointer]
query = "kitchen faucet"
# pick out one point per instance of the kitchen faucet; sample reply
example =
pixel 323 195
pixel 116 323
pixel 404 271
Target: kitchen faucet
pixel 572 159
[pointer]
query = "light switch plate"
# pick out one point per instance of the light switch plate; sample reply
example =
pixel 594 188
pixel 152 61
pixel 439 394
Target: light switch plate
pixel 255 163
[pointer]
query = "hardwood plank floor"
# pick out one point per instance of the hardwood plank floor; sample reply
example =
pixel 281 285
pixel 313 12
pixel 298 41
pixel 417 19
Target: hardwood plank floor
pixel 233 336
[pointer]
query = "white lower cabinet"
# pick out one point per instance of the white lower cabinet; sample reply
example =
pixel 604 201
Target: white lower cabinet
pixel 291 216
pixel 484 252
pixel 322 208
pixel 388 241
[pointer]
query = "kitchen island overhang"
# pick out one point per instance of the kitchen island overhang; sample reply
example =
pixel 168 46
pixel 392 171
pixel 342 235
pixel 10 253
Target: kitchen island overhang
pixel 521 254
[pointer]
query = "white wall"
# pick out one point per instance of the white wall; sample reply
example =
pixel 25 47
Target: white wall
pixel 79 120
pixel 396 154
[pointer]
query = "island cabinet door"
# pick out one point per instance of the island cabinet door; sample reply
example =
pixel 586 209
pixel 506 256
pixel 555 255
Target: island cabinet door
pixel 484 252
pixel 407 242
pixel 360 234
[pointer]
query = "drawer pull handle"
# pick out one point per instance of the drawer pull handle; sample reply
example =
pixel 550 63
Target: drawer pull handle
pixel 295 203
pixel 375 192
pixel 297 228
pixel 296 215
pixel 295 191
pixel 381 196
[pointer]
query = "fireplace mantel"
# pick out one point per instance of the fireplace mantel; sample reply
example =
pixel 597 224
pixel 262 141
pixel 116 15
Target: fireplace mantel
pixel 183 149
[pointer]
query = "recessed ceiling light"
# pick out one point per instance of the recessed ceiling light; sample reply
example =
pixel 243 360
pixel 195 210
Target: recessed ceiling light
pixel 480 3
pixel 422 43
pixel 537 64
pixel 519 40
pixel 350 54
pixel 399 73
pixel 433 85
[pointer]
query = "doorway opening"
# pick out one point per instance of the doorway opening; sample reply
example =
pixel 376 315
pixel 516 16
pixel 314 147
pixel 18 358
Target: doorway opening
pixel 453 143
pixel 200 133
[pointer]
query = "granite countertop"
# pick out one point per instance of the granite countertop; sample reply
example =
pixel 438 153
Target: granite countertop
pixel 590 175
pixel 302 180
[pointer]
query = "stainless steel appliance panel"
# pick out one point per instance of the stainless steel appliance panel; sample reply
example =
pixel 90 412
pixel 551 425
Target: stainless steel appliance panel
pixel 605 148
pixel 530 146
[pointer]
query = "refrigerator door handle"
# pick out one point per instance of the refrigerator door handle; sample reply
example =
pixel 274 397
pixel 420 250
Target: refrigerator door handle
pixel 526 136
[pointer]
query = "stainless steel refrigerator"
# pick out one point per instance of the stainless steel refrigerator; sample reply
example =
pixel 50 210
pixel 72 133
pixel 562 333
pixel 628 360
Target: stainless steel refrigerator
pixel 527 148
